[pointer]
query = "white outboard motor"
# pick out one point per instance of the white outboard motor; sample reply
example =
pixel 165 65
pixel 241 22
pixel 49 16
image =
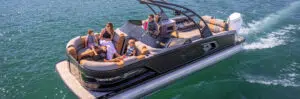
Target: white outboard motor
pixel 235 21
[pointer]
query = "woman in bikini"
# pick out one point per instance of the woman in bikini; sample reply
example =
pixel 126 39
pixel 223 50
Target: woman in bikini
pixel 106 38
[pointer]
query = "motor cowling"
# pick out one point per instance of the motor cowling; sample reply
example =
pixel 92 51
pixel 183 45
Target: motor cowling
pixel 235 21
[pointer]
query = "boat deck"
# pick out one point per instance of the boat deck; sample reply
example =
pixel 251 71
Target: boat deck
pixel 63 70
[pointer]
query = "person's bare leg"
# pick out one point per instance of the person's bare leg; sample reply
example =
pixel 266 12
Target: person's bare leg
pixel 112 60
pixel 93 49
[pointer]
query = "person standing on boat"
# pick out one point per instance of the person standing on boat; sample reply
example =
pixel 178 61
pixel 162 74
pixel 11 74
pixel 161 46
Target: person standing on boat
pixel 152 26
pixel 90 41
pixel 106 38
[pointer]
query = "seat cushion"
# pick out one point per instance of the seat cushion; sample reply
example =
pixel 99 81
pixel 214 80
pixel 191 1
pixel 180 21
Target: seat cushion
pixel 99 66
pixel 103 66
pixel 140 46
pixel 76 42
pixel 193 34
pixel 72 51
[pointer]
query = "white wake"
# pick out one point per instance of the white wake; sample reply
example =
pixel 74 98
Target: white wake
pixel 286 82
pixel 282 82
pixel 273 39
pixel 270 20
pixel 280 36
pixel 288 77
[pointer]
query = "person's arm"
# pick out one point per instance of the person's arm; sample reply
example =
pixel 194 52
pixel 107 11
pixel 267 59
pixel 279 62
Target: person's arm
pixel 112 36
pixel 145 25
pixel 94 50
pixel 148 27
pixel 157 28
pixel 134 53
pixel 95 53
pixel 85 42
pixel 96 40
pixel 113 60
pixel 101 34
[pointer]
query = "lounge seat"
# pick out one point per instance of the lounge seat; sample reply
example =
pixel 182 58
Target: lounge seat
pixel 76 48
pixel 103 66
pixel 74 45
pixel 193 34
pixel 139 45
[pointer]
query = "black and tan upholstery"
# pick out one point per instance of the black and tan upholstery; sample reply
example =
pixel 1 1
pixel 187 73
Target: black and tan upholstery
pixel 215 25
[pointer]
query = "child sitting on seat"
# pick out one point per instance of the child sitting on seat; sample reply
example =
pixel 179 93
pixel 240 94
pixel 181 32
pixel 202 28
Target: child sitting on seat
pixel 90 41
pixel 131 49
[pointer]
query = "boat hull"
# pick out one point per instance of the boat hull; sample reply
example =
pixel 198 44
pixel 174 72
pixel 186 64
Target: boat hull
pixel 160 64
pixel 148 86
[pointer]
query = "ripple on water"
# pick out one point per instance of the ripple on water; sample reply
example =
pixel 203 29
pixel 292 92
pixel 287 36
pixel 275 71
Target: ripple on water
pixel 287 77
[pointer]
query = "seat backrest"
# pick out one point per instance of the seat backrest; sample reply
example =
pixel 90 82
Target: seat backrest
pixel 215 25
pixel 119 41
pixel 76 42
pixel 140 45
pixel 74 45
pixel 104 66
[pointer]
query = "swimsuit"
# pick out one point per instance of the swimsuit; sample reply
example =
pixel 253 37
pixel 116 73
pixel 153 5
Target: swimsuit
pixel 129 51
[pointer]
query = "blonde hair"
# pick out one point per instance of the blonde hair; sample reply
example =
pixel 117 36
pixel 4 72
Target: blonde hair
pixel 131 41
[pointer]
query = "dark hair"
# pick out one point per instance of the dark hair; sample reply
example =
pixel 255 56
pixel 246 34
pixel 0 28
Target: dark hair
pixel 151 15
pixel 157 18
pixel 111 27
pixel 100 50
pixel 101 54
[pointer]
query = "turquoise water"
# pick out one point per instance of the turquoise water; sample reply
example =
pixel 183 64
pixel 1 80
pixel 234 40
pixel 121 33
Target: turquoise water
pixel 34 34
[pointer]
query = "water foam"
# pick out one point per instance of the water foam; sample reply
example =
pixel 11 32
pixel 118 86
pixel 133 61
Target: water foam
pixel 273 39
pixel 288 77
pixel 286 82
pixel 270 20
pixel 282 82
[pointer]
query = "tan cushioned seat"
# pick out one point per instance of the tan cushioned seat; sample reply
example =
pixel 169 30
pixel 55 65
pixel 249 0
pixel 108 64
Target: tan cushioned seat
pixel 103 66
pixel 139 45
pixel 119 40
pixel 72 51
pixel 74 45
pixel 76 42
pixel 193 34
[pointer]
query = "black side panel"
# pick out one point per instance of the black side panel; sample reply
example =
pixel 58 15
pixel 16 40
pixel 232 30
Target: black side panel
pixel 176 58
pixel 112 73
